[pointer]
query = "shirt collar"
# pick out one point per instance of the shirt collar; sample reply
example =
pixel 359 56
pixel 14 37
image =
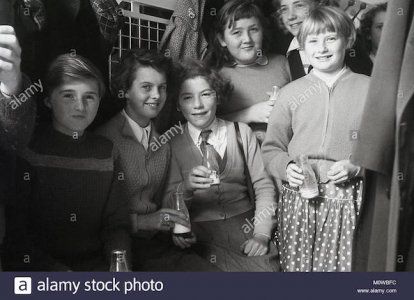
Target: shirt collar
pixel 294 45
pixel 195 132
pixel 136 129
pixel 261 60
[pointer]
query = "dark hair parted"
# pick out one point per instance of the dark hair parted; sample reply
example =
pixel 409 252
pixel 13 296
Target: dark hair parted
pixel 367 22
pixel 124 74
pixel 231 12
pixel 190 68
pixel 328 19
pixel 72 67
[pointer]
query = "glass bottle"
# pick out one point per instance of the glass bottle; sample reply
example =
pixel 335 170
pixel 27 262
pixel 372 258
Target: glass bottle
pixel 179 204
pixel 309 188
pixel 211 163
pixel 274 94
pixel 118 261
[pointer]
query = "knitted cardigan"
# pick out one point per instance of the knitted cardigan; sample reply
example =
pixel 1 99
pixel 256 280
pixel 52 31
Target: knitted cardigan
pixel 311 118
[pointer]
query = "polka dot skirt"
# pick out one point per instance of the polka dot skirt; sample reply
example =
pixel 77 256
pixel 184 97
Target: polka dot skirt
pixel 315 235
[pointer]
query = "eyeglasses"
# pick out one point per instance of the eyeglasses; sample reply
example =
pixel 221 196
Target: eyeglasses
pixel 300 6
pixel 204 95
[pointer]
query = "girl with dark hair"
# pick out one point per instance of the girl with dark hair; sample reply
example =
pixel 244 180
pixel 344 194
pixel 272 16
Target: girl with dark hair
pixel 371 28
pixel 229 227
pixel 239 52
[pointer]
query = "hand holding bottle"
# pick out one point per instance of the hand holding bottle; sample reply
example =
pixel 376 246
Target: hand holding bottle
pixel 198 178
pixel 294 175
pixel 342 171
pixel 256 246
pixel 183 242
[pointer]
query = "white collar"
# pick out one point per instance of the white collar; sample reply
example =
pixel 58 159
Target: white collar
pixel 294 45
pixel 195 132
pixel 136 129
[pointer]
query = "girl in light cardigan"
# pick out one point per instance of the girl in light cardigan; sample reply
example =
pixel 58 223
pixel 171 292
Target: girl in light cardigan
pixel 229 232
pixel 318 115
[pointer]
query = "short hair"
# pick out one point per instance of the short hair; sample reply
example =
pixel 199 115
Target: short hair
pixel 124 74
pixel 277 4
pixel 190 68
pixel 72 67
pixel 231 12
pixel 367 21
pixel 327 19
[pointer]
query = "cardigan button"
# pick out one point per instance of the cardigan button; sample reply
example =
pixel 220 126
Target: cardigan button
pixel 191 13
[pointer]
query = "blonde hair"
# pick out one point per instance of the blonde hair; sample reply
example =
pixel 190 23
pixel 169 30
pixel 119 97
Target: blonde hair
pixel 327 19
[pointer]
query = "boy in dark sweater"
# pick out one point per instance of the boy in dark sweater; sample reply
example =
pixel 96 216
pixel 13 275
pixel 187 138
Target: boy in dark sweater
pixel 69 212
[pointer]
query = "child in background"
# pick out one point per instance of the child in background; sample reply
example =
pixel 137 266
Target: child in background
pixel 318 115
pixel 70 211
pixel 290 15
pixel 220 213
pixel 239 52
pixel 143 79
pixel 371 28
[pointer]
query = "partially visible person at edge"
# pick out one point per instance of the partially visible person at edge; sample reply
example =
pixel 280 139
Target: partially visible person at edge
pixel 16 121
pixel 371 28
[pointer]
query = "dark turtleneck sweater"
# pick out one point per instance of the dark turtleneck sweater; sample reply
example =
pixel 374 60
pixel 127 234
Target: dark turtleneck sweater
pixel 69 211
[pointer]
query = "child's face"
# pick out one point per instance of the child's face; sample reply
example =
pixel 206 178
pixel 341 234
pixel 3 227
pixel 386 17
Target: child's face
pixel 146 96
pixel 198 102
pixel 325 51
pixel 294 12
pixel 376 29
pixel 243 40
pixel 74 105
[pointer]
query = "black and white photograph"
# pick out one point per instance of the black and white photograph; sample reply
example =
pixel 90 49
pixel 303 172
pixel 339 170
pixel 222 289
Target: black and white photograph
pixel 187 139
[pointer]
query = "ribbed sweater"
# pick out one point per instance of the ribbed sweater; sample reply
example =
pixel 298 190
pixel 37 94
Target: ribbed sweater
pixel 311 118
pixel 70 208
pixel 230 197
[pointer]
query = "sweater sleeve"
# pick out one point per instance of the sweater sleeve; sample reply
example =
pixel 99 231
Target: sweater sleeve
pixel 263 187
pixel 16 120
pixel 174 178
pixel 278 135
pixel 115 231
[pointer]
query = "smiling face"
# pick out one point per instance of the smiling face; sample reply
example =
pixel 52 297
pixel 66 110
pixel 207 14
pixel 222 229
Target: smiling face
pixel 198 102
pixel 146 96
pixel 376 30
pixel 294 12
pixel 325 51
pixel 74 105
pixel 243 40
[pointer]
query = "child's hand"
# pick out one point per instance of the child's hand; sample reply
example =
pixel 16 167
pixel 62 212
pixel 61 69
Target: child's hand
pixel 342 171
pixel 198 178
pixel 294 175
pixel 163 220
pixel 256 246
pixel 10 75
pixel 183 243
pixel 260 112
